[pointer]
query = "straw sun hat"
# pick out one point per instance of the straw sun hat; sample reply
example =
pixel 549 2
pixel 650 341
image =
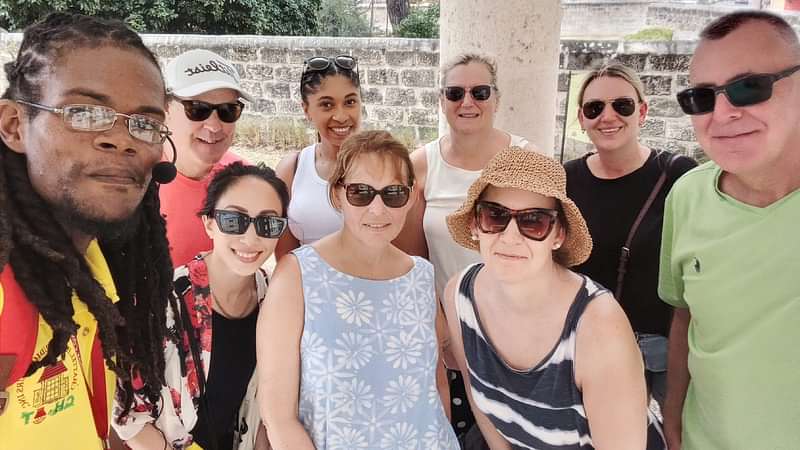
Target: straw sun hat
pixel 528 171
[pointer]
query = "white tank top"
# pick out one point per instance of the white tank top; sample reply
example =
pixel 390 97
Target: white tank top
pixel 445 191
pixel 311 215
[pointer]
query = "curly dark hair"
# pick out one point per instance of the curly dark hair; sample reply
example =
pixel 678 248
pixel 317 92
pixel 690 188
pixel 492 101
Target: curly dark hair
pixel 225 177
pixel 46 264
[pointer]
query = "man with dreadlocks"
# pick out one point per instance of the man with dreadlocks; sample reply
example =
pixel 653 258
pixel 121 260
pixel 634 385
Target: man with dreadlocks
pixel 83 250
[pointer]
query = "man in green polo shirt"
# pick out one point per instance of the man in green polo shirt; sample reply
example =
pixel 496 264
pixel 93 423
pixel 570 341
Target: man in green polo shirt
pixel 731 247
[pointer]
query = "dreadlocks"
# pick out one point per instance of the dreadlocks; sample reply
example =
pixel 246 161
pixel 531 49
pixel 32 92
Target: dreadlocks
pixel 46 264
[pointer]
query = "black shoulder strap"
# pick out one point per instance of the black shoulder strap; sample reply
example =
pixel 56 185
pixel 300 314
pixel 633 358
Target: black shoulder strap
pixel 625 252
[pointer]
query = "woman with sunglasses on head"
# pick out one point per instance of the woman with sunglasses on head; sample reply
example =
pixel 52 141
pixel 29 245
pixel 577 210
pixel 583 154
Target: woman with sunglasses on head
pixel 549 358
pixel 210 401
pixel 347 342
pixel 611 186
pixel 331 93
pixel 445 168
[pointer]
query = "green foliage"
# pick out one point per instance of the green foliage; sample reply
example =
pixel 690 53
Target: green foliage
pixel 421 23
pixel 651 34
pixel 341 18
pixel 266 17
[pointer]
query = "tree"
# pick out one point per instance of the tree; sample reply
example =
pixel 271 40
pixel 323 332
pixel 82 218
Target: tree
pixel 270 17
pixel 423 22
pixel 341 18
pixel 397 10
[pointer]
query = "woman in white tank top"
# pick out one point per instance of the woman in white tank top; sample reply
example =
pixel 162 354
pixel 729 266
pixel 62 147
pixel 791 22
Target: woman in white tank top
pixel 445 168
pixel 330 89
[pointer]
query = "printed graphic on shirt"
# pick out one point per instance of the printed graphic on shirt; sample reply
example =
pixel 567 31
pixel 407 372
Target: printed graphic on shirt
pixel 48 392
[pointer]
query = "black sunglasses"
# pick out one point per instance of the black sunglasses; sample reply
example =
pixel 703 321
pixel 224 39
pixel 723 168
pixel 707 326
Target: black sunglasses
pixel 320 63
pixel 235 222
pixel 745 91
pixel 197 110
pixel 624 106
pixel 361 194
pixel 479 93
pixel 533 223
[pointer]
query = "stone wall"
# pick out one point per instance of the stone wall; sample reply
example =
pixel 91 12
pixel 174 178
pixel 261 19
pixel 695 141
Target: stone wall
pixel 687 20
pixel 399 76
pixel 400 79
pixel 612 19
pixel 602 18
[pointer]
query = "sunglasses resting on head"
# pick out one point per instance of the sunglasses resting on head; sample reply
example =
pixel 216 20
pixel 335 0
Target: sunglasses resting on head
pixel 321 63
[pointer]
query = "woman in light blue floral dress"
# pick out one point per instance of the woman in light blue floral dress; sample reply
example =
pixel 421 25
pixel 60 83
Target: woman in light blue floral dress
pixel 348 348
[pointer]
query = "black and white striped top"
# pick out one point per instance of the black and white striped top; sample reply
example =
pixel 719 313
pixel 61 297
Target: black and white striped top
pixel 540 408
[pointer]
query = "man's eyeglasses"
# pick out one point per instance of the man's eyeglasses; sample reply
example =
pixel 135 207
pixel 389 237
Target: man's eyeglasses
pixel 362 194
pixel 102 118
pixel 533 223
pixel 320 63
pixel 235 222
pixel 197 110
pixel 746 91
pixel 479 93
pixel 624 106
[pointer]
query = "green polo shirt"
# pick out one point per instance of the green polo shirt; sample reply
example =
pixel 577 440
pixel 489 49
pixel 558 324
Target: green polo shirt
pixel 737 268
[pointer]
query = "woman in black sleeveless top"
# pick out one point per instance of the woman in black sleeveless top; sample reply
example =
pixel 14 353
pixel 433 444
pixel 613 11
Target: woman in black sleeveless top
pixel 611 186
pixel 548 355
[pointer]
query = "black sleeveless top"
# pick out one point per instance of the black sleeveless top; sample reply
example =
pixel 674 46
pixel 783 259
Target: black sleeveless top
pixel 233 360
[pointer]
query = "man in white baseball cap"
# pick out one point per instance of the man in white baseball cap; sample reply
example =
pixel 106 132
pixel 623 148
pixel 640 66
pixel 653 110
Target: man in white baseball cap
pixel 205 103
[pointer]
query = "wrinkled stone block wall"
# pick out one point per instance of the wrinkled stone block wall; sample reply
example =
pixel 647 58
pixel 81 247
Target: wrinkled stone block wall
pixel 400 79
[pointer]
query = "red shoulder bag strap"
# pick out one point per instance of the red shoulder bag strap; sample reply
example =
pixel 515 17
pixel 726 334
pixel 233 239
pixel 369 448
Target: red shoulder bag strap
pixel 18 329
pixel 96 391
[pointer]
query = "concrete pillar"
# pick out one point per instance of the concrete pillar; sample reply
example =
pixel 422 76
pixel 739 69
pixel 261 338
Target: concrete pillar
pixel 523 38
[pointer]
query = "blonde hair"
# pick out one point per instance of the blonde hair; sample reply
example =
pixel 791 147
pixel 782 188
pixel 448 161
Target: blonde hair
pixel 614 70
pixel 371 142
pixel 466 58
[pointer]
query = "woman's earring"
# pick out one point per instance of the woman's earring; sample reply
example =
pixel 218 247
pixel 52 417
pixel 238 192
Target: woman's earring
pixel 557 246
pixel 474 237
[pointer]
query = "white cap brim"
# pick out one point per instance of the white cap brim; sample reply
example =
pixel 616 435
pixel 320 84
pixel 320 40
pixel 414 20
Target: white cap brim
pixel 202 88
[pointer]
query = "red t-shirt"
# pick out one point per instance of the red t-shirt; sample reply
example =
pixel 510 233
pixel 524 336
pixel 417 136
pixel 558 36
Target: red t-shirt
pixel 180 202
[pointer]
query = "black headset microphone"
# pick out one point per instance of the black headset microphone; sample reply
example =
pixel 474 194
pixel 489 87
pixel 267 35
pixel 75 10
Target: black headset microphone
pixel 165 171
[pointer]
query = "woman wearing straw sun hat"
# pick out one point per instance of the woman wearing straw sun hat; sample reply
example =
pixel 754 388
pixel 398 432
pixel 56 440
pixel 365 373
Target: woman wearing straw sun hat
pixel 548 356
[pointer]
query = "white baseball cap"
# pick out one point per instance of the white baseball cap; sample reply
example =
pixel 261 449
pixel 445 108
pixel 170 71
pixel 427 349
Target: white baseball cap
pixel 198 71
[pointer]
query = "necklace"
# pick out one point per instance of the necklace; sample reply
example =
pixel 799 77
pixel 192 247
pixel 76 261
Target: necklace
pixel 244 313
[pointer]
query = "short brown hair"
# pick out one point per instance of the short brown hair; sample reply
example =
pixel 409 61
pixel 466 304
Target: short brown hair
pixel 614 70
pixel 725 25
pixel 371 142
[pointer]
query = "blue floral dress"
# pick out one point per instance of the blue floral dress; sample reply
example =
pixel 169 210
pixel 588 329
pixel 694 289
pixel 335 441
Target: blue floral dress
pixel 368 357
